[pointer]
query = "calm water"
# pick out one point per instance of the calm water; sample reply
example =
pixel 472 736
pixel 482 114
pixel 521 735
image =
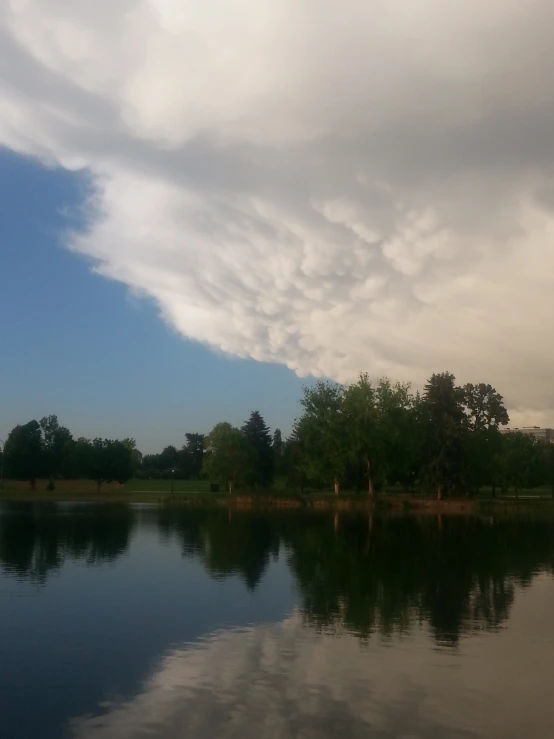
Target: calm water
pixel 120 622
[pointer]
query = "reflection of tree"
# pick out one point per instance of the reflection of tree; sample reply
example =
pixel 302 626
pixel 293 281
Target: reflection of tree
pixel 228 543
pixel 457 575
pixel 35 540
pixel 383 574
pixel 353 572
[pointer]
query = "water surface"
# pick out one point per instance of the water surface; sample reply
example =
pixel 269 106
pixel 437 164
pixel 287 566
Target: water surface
pixel 120 621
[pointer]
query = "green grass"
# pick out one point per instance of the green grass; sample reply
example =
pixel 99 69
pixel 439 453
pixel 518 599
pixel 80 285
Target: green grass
pixel 139 490
pixel 164 486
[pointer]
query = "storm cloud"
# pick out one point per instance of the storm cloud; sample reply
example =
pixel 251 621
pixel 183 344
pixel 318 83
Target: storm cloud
pixel 333 187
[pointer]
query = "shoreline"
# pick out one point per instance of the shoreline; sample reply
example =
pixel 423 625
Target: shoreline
pixel 242 501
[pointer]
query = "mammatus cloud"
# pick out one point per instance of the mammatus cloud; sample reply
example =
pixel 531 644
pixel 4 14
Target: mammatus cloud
pixel 363 186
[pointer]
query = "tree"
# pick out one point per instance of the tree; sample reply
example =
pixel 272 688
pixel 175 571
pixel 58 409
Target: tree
pixel 150 465
pixel 322 434
pixel 445 428
pixel 98 462
pixel 55 442
pixel 481 453
pixel 168 459
pixel 120 460
pixel 548 452
pixel 484 407
pixel 77 460
pixel 192 455
pixel 485 412
pixel 521 462
pixel 360 421
pixel 257 434
pixel 23 451
pixel 278 450
pixel 294 462
pixel 376 421
pixel 108 460
pixel 228 457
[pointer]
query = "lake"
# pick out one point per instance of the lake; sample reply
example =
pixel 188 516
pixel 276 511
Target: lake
pixel 127 621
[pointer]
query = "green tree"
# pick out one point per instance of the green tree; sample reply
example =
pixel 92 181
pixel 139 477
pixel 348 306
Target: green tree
pixel 445 425
pixel 121 460
pixel 98 462
pixel 168 459
pixel 278 447
pixel 521 462
pixel 294 462
pixel 151 465
pixel 548 454
pixel 76 461
pixel 377 420
pixel 192 455
pixel 55 444
pixel 360 422
pixel 23 452
pixel 482 450
pixel 322 435
pixel 108 461
pixel 228 457
pixel 258 436
pixel 485 412
pixel 484 407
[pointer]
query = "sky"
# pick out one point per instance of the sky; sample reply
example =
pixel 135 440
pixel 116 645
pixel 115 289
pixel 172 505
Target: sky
pixel 205 202
pixel 84 348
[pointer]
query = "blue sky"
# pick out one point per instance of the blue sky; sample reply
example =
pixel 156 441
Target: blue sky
pixel 80 346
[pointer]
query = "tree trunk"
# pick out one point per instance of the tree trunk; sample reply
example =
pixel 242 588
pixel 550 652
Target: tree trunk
pixel 439 492
pixel 230 487
pixel 336 522
pixel 336 486
pixel 369 480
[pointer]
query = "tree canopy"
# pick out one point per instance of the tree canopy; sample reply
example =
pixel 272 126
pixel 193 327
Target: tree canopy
pixel 368 435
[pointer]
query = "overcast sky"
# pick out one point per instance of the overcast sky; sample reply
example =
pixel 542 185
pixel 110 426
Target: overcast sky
pixel 332 186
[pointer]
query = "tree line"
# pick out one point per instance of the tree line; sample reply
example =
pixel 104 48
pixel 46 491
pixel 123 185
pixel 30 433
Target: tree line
pixel 46 449
pixel 365 436
pixel 369 436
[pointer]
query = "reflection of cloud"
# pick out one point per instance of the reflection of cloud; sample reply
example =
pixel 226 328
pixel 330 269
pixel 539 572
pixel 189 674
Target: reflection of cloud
pixel 332 186
pixel 283 681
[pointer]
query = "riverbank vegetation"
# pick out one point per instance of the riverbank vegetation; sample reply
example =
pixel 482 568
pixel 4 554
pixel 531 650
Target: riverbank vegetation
pixel 363 438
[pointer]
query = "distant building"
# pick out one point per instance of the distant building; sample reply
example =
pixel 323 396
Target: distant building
pixel 544 435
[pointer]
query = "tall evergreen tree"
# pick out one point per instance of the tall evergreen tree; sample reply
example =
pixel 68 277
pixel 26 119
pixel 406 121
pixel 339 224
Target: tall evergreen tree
pixel 278 452
pixel 259 438
pixel 445 428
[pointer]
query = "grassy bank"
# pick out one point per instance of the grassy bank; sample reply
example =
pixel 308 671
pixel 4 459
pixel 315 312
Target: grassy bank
pixel 196 493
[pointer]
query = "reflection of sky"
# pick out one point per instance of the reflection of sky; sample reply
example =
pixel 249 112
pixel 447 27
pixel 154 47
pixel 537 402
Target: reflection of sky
pixel 94 632
pixel 283 680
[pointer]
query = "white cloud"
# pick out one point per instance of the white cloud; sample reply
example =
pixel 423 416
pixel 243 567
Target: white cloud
pixel 337 188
